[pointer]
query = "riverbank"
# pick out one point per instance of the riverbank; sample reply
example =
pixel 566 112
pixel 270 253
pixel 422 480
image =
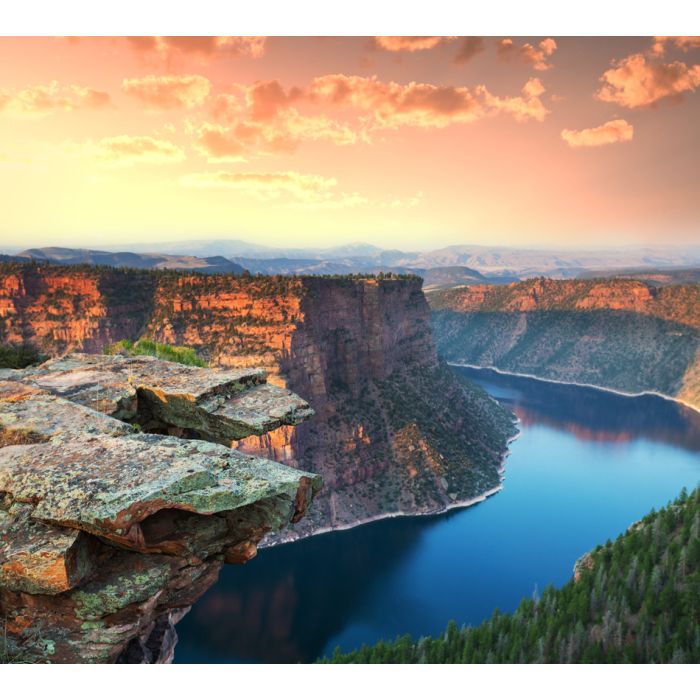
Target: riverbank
pixel 287 539
pixel 609 389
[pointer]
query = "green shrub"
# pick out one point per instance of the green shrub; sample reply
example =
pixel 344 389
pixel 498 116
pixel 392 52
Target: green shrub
pixel 144 346
pixel 19 356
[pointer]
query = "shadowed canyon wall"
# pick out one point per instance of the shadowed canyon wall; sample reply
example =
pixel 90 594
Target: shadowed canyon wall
pixel 620 334
pixel 395 430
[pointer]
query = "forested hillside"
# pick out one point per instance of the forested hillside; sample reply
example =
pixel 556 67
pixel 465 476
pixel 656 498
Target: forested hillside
pixel 635 600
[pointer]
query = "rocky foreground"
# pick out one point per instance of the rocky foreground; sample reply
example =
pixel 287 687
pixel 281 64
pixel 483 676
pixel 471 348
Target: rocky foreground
pixel 119 501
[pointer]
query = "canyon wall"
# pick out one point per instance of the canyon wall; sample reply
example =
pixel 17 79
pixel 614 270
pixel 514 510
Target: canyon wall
pixel 620 334
pixel 394 431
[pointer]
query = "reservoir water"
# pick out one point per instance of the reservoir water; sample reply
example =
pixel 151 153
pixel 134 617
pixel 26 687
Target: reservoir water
pixel 586 465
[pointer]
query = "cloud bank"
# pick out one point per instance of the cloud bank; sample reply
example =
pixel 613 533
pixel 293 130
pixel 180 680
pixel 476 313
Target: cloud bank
pixel 636 81
pixel 410 43
pixel 133 150
pixel 163 92
pixel 201 46
pixel 51 98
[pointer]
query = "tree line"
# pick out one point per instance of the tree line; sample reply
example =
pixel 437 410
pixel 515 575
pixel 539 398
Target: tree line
pixel 634 600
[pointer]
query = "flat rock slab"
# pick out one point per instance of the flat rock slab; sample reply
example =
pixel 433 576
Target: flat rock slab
pixel 219 405
pixel 260 409
pixel 89 380
pixel 107 485
pixel 29 415
pixel 76 373
pixel 108 534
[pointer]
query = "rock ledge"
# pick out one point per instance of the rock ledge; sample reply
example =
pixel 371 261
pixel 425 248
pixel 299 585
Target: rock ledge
pixel 120 499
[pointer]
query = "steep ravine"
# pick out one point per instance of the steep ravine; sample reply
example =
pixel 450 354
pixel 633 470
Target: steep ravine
pixel 624 335
pixel 394 431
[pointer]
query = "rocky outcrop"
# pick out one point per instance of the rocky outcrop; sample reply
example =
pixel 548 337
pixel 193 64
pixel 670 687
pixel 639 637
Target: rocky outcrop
pixel 615 333
pixel 107 533
pixel 394 430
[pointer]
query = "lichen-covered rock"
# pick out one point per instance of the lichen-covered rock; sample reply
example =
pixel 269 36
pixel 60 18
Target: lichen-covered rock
pixel 29 415
pixel 108 485
pixel 217 405
pixel 259 410
pixel 108 535
pixel 40 558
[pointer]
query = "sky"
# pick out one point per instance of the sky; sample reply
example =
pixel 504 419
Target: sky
pixel 404 142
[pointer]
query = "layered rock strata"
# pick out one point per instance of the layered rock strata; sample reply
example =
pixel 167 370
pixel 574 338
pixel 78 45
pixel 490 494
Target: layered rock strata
pixel 620 334
pixel 107 533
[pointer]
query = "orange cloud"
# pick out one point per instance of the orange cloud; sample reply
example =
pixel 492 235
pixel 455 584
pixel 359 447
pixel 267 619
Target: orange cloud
pixel 270 125
pixel 168 91
pixel 636 81
pixel 534 56
pixel 281 135
pixel 684 43
pixel 423 104
pixel 226 107
pixel 471 46
pixel 410 43
pixel 527 106
pixel 43 100
pixel 219 144
pixel 132 150
pixel 615 131
pixel 203 46
pixel 392 104
pixel 267 97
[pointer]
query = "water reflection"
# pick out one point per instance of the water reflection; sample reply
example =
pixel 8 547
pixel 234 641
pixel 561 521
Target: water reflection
pixel 587 464
pixel 284 605
pixel 591 414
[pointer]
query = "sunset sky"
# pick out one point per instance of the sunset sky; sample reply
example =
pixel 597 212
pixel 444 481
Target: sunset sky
pixel 404 142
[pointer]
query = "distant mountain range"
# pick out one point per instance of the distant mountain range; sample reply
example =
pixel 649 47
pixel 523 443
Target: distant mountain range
pixel 434 278
pixel 684 275
pixel 78 256
pixel 442 268
pixel 487 260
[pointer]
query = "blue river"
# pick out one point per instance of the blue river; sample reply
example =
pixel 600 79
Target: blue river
pixel 586 465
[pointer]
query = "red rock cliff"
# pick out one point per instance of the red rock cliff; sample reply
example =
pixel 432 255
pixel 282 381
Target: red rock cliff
pixel 618 333
pixel 394 431
pixel 679 303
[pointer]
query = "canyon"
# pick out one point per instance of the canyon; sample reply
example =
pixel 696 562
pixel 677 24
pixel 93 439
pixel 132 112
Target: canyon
pixel 621 334
pixel 395 431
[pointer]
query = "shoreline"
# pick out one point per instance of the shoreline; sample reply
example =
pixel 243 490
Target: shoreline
pixel 608 389
pixel 501 469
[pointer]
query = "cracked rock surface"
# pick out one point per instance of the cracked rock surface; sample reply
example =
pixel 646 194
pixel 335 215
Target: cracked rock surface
pixel 108 534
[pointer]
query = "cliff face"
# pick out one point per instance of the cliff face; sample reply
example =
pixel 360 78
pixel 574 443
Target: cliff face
pixel 394 430
pixel 60 312
pixel 620 334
